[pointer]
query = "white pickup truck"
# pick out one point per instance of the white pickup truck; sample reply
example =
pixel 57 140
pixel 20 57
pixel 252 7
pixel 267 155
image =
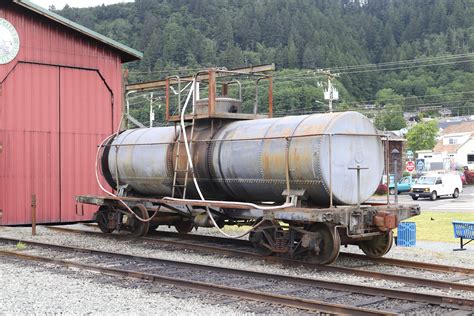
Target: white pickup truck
pixel 436 185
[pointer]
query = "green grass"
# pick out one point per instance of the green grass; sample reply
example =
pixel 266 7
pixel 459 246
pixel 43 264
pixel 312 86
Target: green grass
pixel 437 226
pixel 20 246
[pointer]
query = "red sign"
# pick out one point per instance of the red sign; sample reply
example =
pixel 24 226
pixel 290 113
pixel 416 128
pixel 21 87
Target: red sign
pixel 410 166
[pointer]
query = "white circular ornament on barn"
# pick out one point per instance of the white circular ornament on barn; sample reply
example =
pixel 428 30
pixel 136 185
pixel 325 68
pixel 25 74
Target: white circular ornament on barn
pixel 9 42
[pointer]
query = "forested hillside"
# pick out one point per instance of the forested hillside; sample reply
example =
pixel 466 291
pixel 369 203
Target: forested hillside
pixel 307 35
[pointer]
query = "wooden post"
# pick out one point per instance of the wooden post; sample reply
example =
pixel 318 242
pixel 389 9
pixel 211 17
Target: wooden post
pixel 225 89
pixel 123 109
pixel 270 99
pixel 167 97
pixel 212 93
pixel 33 214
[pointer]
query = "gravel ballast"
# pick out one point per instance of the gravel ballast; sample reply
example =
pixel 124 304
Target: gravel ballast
pixel 23 285
pixel 35 290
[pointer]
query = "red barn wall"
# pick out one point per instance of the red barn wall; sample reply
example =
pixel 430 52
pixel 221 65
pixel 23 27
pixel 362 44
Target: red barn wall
pixel 58 99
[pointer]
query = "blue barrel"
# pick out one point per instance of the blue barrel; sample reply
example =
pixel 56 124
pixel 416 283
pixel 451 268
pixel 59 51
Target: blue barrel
pixel 406 234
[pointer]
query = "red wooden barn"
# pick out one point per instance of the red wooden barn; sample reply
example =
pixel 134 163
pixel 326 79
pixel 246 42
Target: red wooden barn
pixel 60 96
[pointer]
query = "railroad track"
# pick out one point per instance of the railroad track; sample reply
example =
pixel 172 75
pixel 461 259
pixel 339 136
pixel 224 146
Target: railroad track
pixel 296 292
pixel 386 261
pixel 245 244
pixel 242 248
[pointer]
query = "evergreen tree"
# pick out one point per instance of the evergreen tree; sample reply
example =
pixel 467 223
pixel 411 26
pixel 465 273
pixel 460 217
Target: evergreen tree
pixel 305 34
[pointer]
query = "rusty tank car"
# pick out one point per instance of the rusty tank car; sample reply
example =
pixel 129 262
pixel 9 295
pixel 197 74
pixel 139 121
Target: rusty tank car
pixel 299 182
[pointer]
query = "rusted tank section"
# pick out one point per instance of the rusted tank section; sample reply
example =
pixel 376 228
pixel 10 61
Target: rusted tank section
pixel 254 170
pixel 141 158
pixel 252 160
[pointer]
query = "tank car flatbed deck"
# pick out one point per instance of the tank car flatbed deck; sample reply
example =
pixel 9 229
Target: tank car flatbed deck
pixel 338 214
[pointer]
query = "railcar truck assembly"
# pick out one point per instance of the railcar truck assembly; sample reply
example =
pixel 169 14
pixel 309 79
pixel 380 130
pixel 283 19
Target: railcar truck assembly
pixel 299 182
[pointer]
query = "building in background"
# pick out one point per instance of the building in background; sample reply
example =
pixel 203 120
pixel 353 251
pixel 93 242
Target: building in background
pixel 398 142
pixel 454 149
pixel 60 96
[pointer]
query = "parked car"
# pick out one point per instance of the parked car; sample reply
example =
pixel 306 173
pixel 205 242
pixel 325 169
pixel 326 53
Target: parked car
pixel 469 174
pixel 462 176
pixel 404 185
pixel 436 185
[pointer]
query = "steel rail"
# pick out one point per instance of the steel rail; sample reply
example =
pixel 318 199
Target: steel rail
pixel 240 242
pixel 293 262
pixel 332 285
pixel 410 264
pixel 295 302
pixel 387 261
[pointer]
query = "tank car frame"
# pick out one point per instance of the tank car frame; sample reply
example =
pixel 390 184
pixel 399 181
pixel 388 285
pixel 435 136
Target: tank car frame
pixel 296 229
pixel 314 233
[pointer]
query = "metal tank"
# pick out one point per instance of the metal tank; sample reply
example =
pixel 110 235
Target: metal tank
pixel 248 160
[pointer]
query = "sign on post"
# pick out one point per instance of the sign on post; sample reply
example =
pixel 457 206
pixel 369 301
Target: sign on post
pixel 410 166
pixel 420 165
pixel 410 154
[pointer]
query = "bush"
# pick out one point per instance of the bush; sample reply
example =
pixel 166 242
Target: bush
pixel 382 189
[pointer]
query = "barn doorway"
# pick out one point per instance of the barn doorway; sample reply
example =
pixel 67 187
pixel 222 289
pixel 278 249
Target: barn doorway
pixel 51 121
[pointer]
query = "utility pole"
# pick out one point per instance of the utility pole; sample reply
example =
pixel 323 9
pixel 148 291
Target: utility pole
pixel 152 113
pixel 331 94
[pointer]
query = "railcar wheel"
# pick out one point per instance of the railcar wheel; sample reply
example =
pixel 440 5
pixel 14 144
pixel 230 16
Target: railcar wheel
pixel 184 227
pixel 325 249
pixel 263 237
pixel 137 227
pixel 103 218
pixel 377 246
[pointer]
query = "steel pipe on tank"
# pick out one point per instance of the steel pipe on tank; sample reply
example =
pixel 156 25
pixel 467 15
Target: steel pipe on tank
pixel 255 106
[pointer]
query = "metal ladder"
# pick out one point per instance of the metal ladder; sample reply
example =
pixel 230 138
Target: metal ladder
pixel 176 186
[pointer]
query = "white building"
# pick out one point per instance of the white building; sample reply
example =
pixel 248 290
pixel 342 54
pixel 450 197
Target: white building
pixel 455 148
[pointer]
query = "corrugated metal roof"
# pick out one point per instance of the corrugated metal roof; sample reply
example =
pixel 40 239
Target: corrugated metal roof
pixel 130 53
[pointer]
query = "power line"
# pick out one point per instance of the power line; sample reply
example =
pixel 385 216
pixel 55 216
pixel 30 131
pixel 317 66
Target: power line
pixel 400 62
pixel 402 65
pixel 406 67
pixel 391 99
pixel 371 70
pixel 311 110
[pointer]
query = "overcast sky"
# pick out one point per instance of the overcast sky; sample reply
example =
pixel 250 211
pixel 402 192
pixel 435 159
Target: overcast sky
pixel 59 4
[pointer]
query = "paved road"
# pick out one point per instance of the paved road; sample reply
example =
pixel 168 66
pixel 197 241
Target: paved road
pixel 464 204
